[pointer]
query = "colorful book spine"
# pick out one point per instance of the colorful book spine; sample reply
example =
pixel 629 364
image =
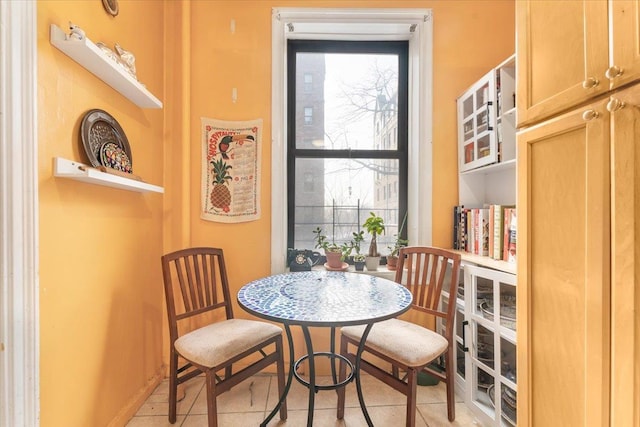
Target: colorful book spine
pixel 498 230
pixel 506 233
pixel 491 227
pixel 513 227
pixel 483 231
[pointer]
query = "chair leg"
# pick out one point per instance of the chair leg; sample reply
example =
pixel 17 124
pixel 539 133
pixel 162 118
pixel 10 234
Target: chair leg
pixel 173 386
pixel 341 377
pixel 212 408
pixel 280 370
pixel 451 400
pixel 412 396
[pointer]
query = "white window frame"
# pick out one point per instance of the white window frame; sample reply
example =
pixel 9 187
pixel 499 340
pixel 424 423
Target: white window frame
pixel 414 25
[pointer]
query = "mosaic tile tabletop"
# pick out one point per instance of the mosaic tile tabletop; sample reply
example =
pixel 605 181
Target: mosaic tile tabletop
pixel 324 298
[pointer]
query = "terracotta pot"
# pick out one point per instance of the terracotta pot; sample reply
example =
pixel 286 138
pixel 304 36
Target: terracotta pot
pixel 333 259
pixel 392 262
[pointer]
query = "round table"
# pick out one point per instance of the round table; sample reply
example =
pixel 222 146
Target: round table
pixel 323 299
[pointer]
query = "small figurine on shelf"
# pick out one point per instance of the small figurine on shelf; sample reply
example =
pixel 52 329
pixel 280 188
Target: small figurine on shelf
pixel 127 59
pixel 76 32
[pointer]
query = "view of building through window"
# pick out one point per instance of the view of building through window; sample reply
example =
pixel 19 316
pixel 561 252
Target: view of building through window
pixel 347 157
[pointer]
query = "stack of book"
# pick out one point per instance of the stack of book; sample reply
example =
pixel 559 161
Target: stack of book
pixel 488 231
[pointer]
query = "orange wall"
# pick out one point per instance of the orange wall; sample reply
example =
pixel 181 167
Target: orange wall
pixel 470 37
pixel 100 284
pixel 101 303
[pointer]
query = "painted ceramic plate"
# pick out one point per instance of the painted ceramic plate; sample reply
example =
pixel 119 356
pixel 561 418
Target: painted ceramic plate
pixel 114 157
pixel 97 128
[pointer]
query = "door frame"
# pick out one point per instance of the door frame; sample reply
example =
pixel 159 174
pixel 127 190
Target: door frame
pixel 19 288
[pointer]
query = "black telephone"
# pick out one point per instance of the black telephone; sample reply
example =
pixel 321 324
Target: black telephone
pixel 302 259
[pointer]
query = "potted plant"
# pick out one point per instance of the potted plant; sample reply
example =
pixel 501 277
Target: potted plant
pixel 358 258
pixel 392 258
pixel 334 253
pixel 374 225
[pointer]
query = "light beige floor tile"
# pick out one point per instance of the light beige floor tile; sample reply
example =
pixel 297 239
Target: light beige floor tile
pixel 386 406
pixel 154 421
pixel 321 418
pixel 298 397
pixel 226 420
pixel 381 416
pixel 159 405
pixel 436 415
pixel 248 396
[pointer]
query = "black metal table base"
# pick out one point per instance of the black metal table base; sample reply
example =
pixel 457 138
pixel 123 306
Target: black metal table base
pixel 353 374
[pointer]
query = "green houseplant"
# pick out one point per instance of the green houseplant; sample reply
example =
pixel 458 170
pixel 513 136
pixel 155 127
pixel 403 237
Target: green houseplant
pixel 358 258
pixel 374 225
pixel 399 242
pixel 334 253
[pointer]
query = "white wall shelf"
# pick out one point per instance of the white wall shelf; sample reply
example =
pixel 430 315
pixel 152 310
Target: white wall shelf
pixel 91 57
pixel 64 168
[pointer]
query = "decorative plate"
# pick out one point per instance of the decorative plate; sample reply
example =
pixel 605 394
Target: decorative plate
pixel 99 127
pixel 114 157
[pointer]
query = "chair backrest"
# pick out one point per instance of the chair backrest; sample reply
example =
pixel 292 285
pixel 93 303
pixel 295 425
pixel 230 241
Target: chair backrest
pixel 195 282
pixel 426 272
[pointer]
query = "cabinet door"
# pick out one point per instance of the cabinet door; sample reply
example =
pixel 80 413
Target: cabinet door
pixel 563 270
pixel 625 258
pixel 477 124
pixel 490 309
pixel 625 42
pixel 562 55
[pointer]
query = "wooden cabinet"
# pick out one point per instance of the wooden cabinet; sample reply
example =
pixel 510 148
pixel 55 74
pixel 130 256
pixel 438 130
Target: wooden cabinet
pixel 578 222
pixel 625 257
pixel 563 270
pixel 570 52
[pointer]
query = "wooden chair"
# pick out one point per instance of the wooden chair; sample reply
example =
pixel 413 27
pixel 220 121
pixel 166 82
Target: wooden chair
pixel 196 286
pixel 405 346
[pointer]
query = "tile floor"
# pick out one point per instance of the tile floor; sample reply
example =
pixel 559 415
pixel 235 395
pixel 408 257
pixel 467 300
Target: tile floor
pixel 248 403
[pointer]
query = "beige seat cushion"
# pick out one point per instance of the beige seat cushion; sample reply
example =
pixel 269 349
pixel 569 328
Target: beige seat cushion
pixel 214 344
pixel 405 342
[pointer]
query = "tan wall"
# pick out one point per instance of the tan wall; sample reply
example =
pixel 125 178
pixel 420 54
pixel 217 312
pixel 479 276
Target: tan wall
pixel 102 309
pixel 470 38
pixel 100 283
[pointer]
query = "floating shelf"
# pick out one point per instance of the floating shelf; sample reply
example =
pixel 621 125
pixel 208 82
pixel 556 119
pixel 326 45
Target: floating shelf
pixel 91 57
pixel 64 168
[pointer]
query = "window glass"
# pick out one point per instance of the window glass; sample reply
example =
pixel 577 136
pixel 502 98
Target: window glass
pixel 347 138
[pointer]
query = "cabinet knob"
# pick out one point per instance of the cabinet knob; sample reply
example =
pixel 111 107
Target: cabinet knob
pixel 590 82
pixel 613 72
pixel 614 105
pixel 590 115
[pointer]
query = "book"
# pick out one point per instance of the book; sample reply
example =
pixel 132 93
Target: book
pixel 463 229
pixel 506 232
pixel 483 232
pixel 456 234
pixel 492 209
pixel 513 226
pixel 498 230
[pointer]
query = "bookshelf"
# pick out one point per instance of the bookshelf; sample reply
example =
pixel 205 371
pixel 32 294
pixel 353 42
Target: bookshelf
pixel 486 338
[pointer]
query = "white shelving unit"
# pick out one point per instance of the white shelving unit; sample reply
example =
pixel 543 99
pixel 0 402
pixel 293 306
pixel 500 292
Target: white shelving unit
pixel 91 57
pixel 485 351
pixel 64 168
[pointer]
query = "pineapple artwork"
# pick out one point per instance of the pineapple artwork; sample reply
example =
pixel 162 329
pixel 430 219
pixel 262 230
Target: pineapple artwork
pixel 220 194
pixel 231 157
